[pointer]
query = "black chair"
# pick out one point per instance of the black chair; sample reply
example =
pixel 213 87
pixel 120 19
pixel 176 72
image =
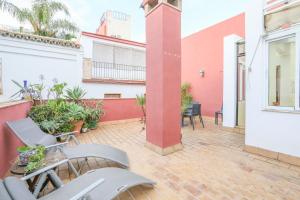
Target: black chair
pixel 217 116
pixel 193 111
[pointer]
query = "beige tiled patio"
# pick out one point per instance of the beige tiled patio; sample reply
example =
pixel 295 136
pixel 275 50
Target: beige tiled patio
pixel 212 166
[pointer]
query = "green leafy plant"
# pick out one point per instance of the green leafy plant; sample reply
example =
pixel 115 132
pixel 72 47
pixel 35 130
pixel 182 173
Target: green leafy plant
pixel 76 112
pixel 36 160
pixel 57 90
pixel 44 17
pixel 23 149
pixel 141 101
pixel 92 115
pixel 52 117
pixel 75 94
pixel 186 97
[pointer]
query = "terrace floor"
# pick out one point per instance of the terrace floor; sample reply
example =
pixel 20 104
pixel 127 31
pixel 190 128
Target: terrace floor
pixel 212 166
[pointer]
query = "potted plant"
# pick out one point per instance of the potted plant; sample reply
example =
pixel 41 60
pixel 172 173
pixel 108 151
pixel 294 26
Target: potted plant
pixel 141 101
pixel 36 159
pixel 24 154
pixel 92 115
pixel 75 94
pixel 76 115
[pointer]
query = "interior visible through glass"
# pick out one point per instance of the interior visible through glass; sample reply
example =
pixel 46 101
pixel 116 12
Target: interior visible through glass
pixel 282 64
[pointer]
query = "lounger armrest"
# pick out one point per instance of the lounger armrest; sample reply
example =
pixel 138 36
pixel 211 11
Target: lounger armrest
pixel 56 145
pixel 65 134
pixel 45 169
pixel 70 135
pixel 87 190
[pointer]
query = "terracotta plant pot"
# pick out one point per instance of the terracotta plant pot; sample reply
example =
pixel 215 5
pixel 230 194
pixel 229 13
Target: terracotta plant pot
pixel 77 126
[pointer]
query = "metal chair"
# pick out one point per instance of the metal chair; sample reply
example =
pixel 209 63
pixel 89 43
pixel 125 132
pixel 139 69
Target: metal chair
pixel 193 111
pixel 217 115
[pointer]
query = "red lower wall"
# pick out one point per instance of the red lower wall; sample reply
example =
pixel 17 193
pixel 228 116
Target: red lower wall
pixel 204 51
pixel 8 142
pixel 119 109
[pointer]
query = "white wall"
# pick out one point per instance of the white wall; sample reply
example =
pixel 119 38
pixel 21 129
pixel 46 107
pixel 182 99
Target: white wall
pixel 126 91
pixel 27 60
pixel 275 131
pixel 230 81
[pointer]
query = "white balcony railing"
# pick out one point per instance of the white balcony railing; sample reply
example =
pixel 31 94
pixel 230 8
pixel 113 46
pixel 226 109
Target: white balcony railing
pixel 93 70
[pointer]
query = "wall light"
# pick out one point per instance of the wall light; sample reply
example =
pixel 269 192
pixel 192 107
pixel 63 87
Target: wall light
pixel 202 72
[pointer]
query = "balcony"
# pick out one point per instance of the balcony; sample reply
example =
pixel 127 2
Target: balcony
pixel 103 72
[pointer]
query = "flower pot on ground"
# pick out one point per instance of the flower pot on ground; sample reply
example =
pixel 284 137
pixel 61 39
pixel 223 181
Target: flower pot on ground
pixel 24 154
pixel 77 126
pixel 76 114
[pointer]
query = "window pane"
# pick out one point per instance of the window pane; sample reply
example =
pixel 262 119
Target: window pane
pixel 282 63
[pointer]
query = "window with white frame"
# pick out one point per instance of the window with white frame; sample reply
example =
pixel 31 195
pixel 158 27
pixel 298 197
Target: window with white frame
pixel 283 69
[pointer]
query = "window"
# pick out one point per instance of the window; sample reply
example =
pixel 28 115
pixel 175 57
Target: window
pixel 1 83
pixel 282 72
pixel 112 96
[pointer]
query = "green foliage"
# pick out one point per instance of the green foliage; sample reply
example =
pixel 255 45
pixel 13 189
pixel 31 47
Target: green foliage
pixel 52 117
pixel 23 149
pixel 75 94
pixel 57 90
pixel 75 112
pixel 141 101
pixel 186 97
pixel 92 115
pixel 36 160
pixel 43 17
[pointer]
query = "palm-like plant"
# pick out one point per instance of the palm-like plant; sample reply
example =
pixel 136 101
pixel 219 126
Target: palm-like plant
pixel 141 101
pixel 42 17
pixel 75 94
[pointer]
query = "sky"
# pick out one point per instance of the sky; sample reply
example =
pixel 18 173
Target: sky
pixel 196 14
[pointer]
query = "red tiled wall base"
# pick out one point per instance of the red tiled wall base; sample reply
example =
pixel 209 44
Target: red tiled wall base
pixel 8 142
pixel 120 109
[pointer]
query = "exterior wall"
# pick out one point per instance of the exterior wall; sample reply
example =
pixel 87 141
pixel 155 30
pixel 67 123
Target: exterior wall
pixel 8 142
pixel 119 109
pixel 204 51
pixel 270 130
pixel 27 60
pixel 115 24
pixel 96 90
pixel 230 81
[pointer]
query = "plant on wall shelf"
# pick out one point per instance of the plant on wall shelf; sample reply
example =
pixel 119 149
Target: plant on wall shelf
pixel 25 92
pixel 186 96
pixel 75 94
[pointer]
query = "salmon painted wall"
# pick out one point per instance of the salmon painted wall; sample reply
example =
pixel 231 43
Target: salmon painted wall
pixel 8 142
pixel 204 51
pixel 119 109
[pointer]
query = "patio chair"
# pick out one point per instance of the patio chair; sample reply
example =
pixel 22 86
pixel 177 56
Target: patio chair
pixel 100 184
pixel 31 135
pixel 193 111
pixel 217 115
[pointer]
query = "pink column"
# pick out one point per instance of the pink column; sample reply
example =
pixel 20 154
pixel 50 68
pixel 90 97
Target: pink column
pixel 163 29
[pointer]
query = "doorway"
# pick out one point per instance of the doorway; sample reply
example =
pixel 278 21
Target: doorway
pixel 241 85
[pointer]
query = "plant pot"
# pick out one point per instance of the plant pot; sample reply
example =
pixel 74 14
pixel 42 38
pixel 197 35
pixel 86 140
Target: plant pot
pixel 77 126
pixel 24 157
pixel 84 130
